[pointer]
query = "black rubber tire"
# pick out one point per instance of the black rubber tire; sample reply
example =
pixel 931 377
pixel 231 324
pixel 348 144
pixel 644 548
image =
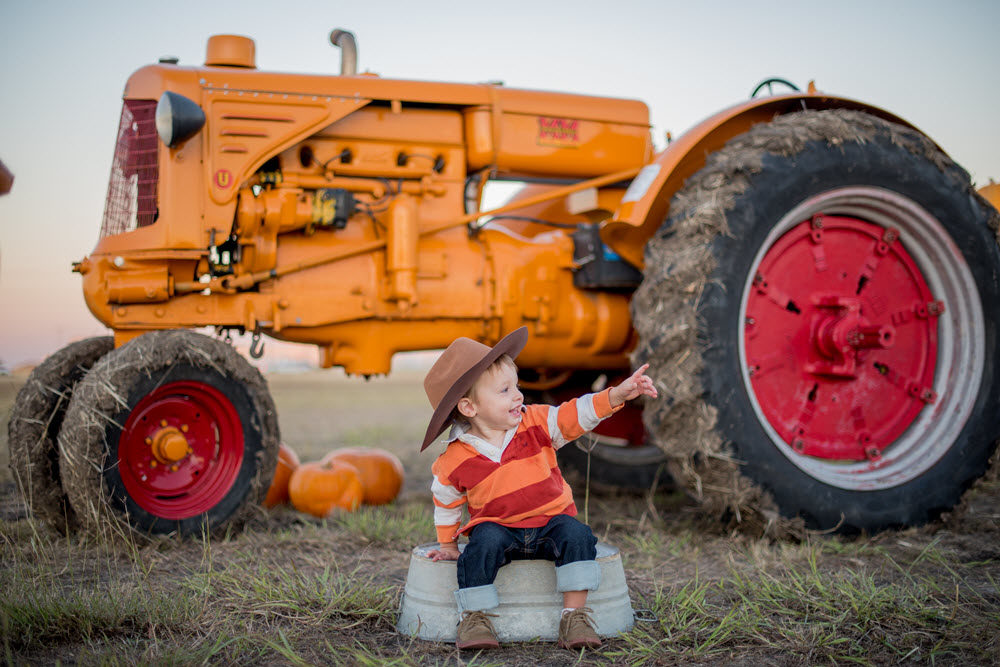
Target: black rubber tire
pixel 103 401
pixel 613 467
pixel 35 420
pixel 730 207
pixel 637 469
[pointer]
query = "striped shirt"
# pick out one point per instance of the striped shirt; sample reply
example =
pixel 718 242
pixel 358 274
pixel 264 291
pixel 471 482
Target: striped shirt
pixel 517 484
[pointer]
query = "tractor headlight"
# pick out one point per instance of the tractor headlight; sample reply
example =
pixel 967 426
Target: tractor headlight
pixel 177 118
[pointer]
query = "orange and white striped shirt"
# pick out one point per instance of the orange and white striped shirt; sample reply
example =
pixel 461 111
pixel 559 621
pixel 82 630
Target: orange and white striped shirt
pixel 518 484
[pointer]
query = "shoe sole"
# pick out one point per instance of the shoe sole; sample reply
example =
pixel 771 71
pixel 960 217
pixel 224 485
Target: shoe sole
pixel 579 645
pixel 477 645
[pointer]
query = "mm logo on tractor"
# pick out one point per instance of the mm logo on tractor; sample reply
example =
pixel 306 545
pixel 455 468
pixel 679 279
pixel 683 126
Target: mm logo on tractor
pixel 560 132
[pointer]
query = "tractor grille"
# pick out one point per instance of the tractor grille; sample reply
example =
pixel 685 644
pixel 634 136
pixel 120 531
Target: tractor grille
pixel 131 201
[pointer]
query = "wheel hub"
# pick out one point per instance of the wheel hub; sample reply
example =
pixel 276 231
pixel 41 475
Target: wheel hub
pixel 840 332
pixel 181 449
pixel 169 445
pixel 840 335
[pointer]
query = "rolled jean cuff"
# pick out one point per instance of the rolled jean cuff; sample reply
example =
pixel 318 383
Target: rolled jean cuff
pixel 477 598
pixel 581 575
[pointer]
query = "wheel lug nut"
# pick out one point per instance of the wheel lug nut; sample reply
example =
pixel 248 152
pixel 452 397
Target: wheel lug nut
pixel 149 441
pixel 184 428
pixel 163 422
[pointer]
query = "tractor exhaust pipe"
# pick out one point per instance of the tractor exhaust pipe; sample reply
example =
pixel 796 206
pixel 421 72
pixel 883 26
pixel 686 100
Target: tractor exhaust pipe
pixel 348 51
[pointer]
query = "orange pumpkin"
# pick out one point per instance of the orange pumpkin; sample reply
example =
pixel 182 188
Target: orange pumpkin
pixel 381 472
pixel 319 488
pixel 288 461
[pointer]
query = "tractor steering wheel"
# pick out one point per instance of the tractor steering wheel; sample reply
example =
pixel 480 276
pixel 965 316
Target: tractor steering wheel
pixel 769 83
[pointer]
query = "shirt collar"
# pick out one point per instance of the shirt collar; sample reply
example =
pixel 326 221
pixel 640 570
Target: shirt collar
pixel 460 432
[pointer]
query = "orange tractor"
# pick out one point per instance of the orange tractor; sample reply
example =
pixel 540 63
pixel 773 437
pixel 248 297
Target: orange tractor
pixel 815 284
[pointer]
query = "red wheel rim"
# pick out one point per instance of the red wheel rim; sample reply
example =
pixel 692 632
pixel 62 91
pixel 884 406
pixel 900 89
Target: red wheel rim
pixel 181 450
pixel 840 333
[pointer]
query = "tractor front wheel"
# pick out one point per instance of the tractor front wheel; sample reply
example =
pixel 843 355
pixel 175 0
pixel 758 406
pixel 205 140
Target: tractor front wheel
pixel 173 432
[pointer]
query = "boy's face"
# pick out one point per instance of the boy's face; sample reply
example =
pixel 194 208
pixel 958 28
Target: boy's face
pixel 495 402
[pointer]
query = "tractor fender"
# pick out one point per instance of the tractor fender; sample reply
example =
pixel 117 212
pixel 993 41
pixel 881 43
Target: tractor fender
pixel 647 201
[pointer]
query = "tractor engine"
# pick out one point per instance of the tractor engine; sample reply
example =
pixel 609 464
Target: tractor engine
pixel 345 212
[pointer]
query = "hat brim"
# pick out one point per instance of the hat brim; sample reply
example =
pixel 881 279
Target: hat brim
pixel 511 344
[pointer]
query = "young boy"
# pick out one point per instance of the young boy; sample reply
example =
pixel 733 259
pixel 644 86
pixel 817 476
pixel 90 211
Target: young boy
pixel 500 460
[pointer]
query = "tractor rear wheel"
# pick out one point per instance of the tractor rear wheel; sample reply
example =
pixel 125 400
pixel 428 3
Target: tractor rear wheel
pixel 827 289
pixel 35 420
pixel 172 432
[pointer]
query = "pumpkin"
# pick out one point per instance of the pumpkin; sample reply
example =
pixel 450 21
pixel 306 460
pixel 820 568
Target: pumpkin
pixel 319 488
pixel 381 472
pixel 288 461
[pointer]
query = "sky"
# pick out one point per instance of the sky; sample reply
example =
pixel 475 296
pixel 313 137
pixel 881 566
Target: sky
pixel 63 66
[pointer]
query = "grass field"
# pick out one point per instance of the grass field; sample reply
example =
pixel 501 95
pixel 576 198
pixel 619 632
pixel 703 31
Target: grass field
pixel 290 589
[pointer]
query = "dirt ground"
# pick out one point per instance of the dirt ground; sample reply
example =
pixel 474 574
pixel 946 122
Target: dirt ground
pixel 667 548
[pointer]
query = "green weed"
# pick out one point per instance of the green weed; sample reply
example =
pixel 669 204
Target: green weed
pixel 814 615
pixel 389 525
pixel 37 610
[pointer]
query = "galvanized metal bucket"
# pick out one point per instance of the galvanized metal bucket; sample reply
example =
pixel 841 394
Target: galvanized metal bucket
pixel 529 604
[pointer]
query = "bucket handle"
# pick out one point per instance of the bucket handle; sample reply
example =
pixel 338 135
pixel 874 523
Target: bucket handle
pixel 644 616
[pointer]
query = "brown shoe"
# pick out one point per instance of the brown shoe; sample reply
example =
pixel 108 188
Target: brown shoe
pixel 577 630
pixel 476 631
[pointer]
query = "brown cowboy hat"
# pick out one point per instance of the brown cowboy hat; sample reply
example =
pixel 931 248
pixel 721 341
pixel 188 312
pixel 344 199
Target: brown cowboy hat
pixel 457 369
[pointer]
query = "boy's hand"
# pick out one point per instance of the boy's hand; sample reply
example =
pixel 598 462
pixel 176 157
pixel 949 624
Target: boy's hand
pixel 444 553
pixel 638 384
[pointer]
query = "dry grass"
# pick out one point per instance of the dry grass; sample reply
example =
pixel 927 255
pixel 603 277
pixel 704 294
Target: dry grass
pixel 290 589
pixel 9 386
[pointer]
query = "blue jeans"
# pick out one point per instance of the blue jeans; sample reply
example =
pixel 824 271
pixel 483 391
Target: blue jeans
pixel 568 542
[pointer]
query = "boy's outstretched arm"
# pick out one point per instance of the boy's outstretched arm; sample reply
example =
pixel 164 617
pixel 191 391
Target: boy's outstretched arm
pixel 638 384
